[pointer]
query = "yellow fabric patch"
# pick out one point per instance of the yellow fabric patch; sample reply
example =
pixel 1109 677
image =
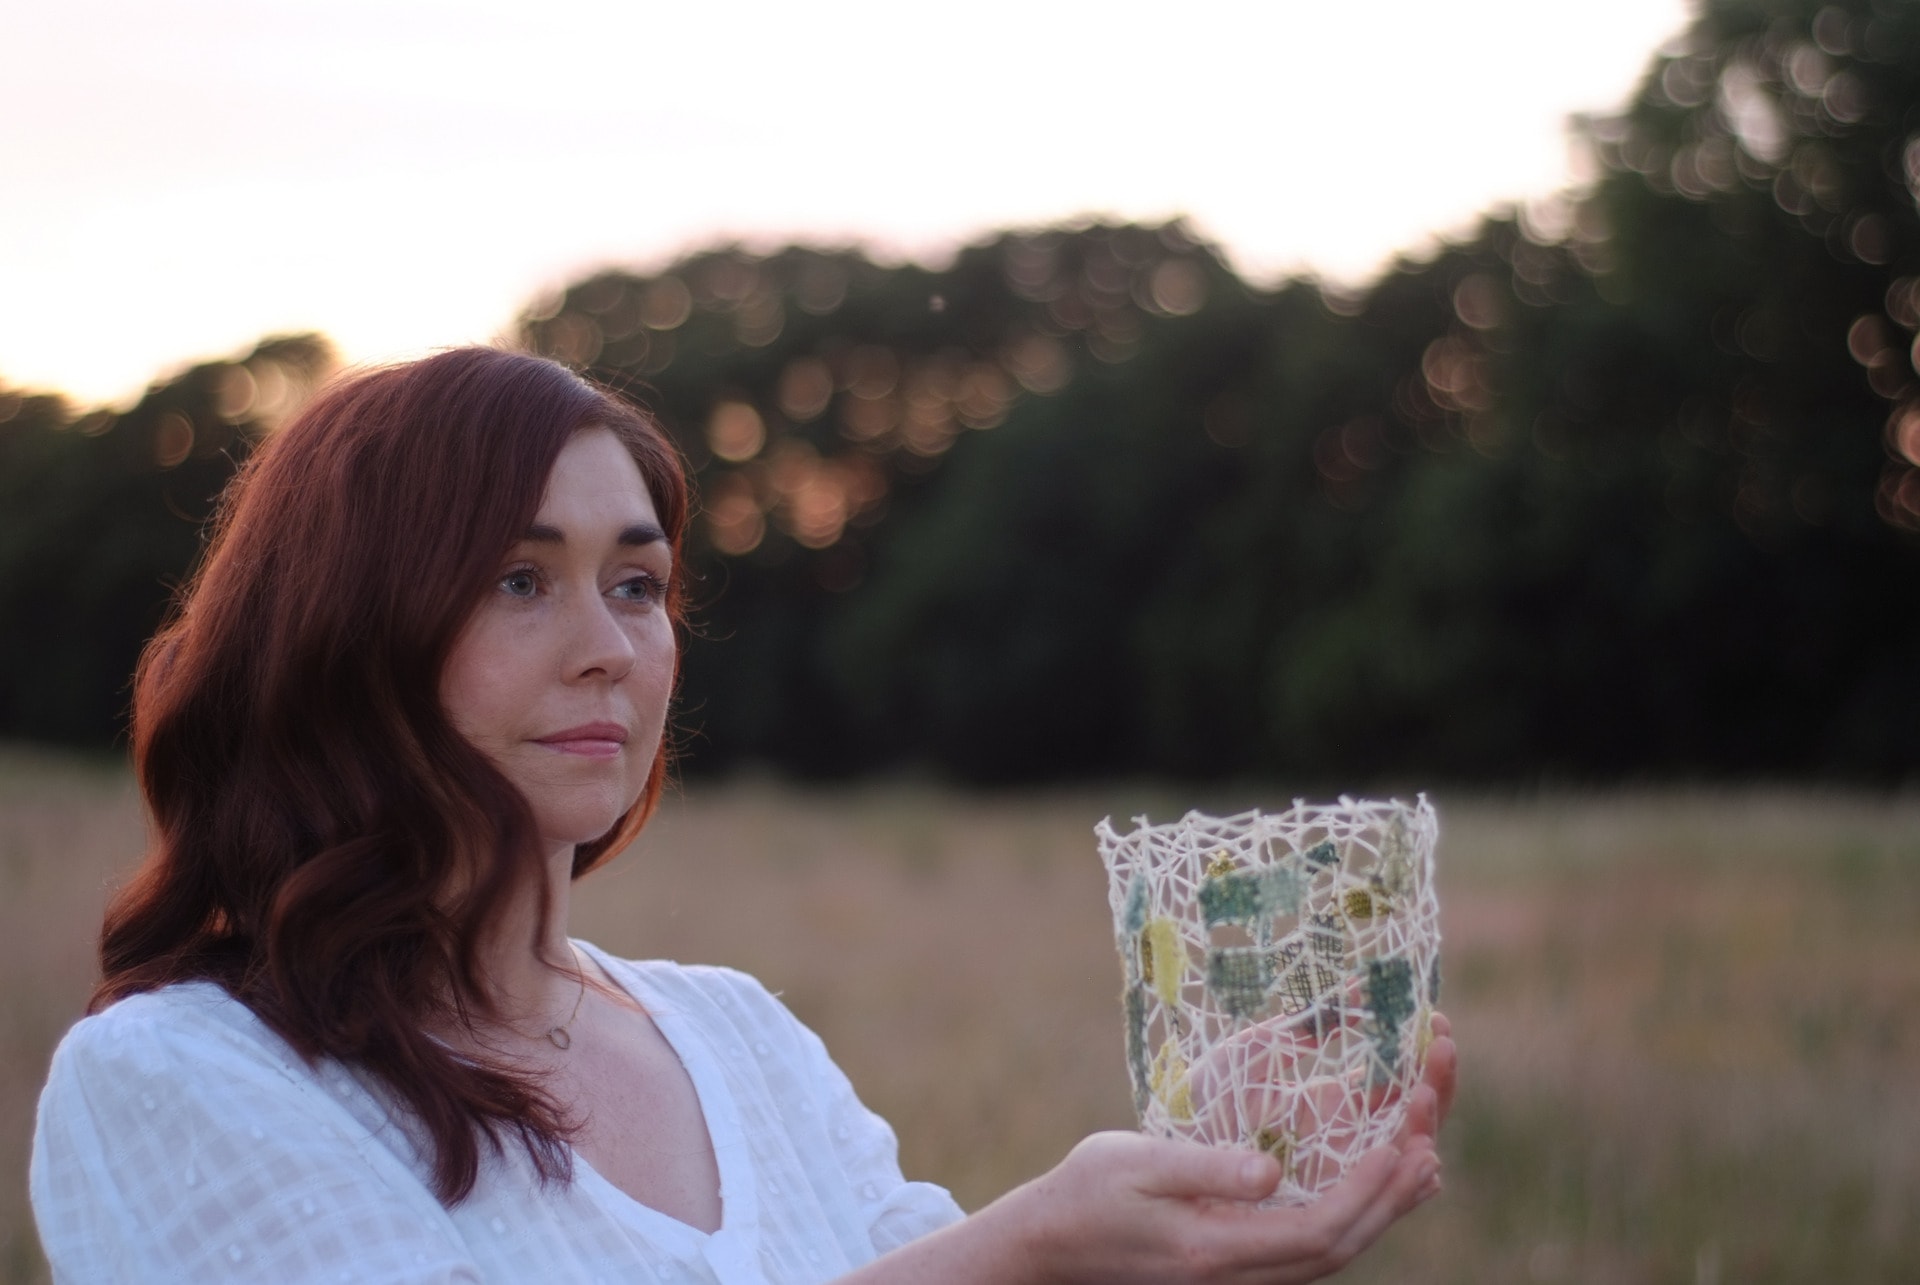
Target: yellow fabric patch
pixel 1168 1079
pixel 1364 903
pixel 1163 960
pixel 1280 1144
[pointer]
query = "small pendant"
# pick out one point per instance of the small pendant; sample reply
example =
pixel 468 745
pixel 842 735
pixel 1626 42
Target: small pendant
pixel 560 1038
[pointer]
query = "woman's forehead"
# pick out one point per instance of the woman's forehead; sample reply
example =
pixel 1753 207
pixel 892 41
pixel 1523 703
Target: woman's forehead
pixel 594 479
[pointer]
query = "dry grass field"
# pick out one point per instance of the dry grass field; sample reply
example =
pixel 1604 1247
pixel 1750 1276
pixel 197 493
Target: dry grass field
pixel 1690 1021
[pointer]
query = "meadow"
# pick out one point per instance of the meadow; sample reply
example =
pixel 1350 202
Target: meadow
pixel 1689 1019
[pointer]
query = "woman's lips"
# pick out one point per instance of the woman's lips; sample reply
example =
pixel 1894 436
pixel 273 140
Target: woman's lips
pixel 589 740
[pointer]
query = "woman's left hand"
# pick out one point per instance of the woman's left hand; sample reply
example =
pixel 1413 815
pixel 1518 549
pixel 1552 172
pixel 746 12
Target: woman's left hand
pixel 1127 1209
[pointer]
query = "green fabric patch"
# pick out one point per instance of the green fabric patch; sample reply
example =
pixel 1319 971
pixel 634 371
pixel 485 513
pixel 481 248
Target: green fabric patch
pixel 1135 914
pixel 1230 898
pixel 1279 891
pixel 1390 996
pixel 1135 1001
pixel 1246 896
pixel 1239 977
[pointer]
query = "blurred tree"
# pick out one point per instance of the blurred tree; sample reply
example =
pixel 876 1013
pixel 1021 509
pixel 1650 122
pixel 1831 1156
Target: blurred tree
pixel 103 516
pixel 1630 493
pixel 1705 555
pixel 821 397
pixel 1626 483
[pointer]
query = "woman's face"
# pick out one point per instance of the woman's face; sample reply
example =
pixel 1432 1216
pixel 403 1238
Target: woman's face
pixel 563 673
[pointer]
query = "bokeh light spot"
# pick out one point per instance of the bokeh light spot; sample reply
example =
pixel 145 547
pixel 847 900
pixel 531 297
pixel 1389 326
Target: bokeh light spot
pixel 735 522
pixel 274 393
pixel 758 320
pixel 1903 433
pixel 1032 266
pixel 872 372
pixel 983 396
pixel 869 421
pixel 1179 287
pixel 1845 99
pixel 735 431
pixel 234 392
pixel 1477 301
pixel 820 287
pixel 666 304
pixel 1038 363
pixel 1808 70
pixel 1869 239
pixel 1454 376
pixel 172 439
pixel 574 339
pixel 806 386
pixel 1903 302
pixel 1866 339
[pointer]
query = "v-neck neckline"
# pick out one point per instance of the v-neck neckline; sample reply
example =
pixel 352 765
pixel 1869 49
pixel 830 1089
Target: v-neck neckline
pixel 719 1113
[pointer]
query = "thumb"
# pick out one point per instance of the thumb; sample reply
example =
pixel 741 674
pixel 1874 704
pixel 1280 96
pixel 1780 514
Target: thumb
pixel 1190 1171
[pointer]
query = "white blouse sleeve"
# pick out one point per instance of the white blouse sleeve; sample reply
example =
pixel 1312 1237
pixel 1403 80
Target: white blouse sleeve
pixel 863 1145
pixel 898 1211
pixel 178 1140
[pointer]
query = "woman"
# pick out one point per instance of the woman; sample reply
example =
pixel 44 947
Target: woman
pixel 417 689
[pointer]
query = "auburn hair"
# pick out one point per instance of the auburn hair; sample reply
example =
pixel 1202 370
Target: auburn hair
pixel 323 844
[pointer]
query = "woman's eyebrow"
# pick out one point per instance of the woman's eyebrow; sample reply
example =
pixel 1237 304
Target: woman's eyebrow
pixel 636 536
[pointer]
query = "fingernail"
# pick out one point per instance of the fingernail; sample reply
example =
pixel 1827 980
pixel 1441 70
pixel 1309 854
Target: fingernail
pixel 1428 1190
pixel 1253 1172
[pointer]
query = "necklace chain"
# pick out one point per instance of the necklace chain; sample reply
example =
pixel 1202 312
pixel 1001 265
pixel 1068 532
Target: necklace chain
pixel 561 1036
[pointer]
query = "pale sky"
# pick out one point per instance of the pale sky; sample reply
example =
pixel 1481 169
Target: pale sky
pixel 179 179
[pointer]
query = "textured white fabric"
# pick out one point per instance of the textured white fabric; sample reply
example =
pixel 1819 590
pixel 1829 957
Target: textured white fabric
pixel 181 1140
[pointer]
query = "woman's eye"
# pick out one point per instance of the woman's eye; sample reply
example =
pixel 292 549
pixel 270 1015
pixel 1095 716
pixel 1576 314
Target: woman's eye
pixel 640 589
pixel 520 584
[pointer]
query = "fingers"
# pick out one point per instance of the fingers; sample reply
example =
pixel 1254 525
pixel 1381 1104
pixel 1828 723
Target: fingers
pixel 1190 1171
pixel 1412 1175
pixel 1423 1118
pixel 1443 1068
pixel 1326 1235
pixel 1348 1199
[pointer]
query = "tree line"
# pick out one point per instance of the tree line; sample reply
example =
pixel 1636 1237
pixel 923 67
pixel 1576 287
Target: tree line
pixel 1625 484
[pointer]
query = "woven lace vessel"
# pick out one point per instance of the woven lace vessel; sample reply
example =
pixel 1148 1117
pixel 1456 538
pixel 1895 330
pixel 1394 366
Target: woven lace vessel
pixel 1281 972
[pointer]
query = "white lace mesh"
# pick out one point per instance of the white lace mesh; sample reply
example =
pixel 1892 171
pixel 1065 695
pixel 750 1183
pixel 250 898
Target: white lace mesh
pixel 1281 971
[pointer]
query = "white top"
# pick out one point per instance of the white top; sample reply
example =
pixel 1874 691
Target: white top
pixel 181 1140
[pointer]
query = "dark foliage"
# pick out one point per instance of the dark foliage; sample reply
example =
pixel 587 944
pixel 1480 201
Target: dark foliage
pixel 1623 486
pixel 100 519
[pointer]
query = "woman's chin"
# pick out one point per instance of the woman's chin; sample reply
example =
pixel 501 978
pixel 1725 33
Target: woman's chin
pixel 581 825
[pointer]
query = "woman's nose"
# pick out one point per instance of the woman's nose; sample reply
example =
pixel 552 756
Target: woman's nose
pixel 599 645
